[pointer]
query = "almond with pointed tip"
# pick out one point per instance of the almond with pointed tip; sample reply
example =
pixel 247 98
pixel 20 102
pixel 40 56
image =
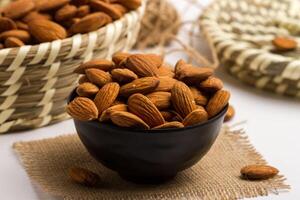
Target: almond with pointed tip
pixel 83 109
pixel 83 11
pixel 102 6
pixel 66 12
pixel 141 106
pixel 258 172
pixel 103 64
pixel 13 42
pixel 22 35
pixel 217 103
pixel 105 116
pixel 87 89
pixel 127 119
pixel 7 24
pixel 34 15
pixel 162 100
pixel 106 96
pixel 120 57
pixel 18 9
pixel 197 116
pixel 165 84
pixel 168 125
pixel 211 84
pixel 229 114
pixel 98 76
pixel 182 99
pixel 130 4
pixel 47 5
pixel 123 75
pixel 144 65
pixel 142 85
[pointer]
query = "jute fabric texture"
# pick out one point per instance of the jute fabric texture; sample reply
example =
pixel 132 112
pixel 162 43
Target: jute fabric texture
pixel 242 32
pixel 216 176
pixel 36 80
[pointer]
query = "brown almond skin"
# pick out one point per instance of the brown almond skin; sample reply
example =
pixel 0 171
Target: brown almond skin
pixel 83 11
pixel 162 100
pixel 87 89
pixel 120 57
pixel 107 8
pixel 200 99
pixel 84 177
pixel 7 24
pixel 218 101
pixel 284 44
pixel 22 26
pixel 165 84
pixel 258 172
pixel 83 109
pixel 196 117
pixel 34 15
pixel 130 4
pixel 168 125
pixel 91 22
pixel 18 9
pixel 141 106
pixel 142 85
pixel 47 5
pixel 103 64
pixel 127 119
pixel 166 71
pixel 171 115
pixel 22 35
pixel 107 113
pixel 106 96
pixel 12 42
pixel 229 114
pixel 83 79
pixel 122 9
pixel 80 2
pixel 123 75
pixel 211 84
pixel 66 12
pixel 98 77
pixel 46 31
pixel 182 99
pixel 143 65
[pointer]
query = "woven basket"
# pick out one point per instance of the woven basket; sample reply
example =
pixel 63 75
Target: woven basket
pixel 242 32
pixel 36 80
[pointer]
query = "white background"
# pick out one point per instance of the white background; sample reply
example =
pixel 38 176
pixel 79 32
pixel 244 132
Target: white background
pixel 273 126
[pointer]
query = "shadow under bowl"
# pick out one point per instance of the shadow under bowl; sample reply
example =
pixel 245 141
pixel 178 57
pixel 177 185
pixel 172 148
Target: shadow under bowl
pixel 148 156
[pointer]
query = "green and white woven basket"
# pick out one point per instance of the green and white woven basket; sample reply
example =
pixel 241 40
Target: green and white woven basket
pixel 242 31
pixel 36 80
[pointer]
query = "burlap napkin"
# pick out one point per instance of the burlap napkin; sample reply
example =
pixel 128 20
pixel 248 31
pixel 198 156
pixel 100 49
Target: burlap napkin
pixel 216 176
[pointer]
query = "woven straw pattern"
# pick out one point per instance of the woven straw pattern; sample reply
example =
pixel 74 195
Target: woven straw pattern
pixel 36 80
pixel 242 32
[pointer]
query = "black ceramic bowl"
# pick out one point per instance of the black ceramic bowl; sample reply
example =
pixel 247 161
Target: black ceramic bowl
pixel 148 156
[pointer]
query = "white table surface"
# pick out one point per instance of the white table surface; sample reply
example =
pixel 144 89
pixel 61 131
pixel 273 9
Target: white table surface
pixel 273 126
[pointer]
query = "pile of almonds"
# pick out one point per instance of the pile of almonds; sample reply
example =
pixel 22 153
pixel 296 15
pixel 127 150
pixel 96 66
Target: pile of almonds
pixel 139 90
pixel 37 21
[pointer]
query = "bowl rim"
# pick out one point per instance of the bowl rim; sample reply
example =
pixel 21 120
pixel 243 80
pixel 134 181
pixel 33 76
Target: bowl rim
pixel 112 126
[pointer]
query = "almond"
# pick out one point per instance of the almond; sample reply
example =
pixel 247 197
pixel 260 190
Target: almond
pixel 141 106
pixel 46 5
pixel 130 4
pixel 18 8
pixel 87 89
pixel 12 42
pixel 66 12
pixel 83 79
pixel 83 109
pixel 197 116
pixel 120 57
pixel 171 115
pixel 123 75
pixel 284 44
pixel 7 24
pixel 166 71
pixel 200 99
pixel 127 119
pixel 142 85
pixel 182 99
pixel 123 10
pixel 258 172
pixel 105 65
pixel 83 11
pixel 84 176
pixel 165 84
pixel 168 125
pixel 162 100
pixel 107 113
pixel 91 22
pixel 46 31
pixel 190 74
pixel 34 15
pixel 143 64
pixel 218 102
pixel 102 6
pixel 98 77
pixel 229 114
pixel 211 84
pixel 106 96
pixel 24 36
pixel 22 26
